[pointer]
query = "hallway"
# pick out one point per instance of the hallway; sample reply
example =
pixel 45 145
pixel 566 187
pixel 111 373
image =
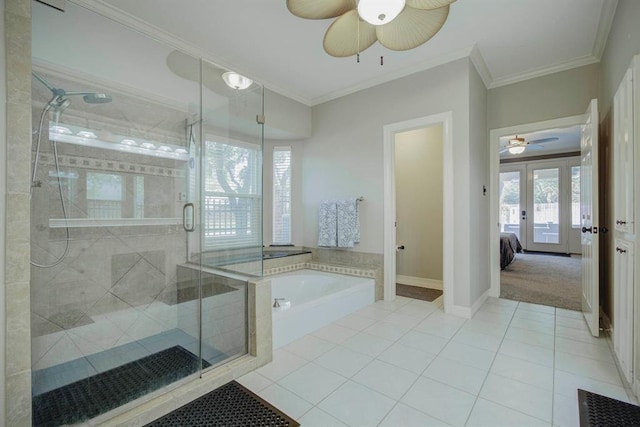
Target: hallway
pixel 407 363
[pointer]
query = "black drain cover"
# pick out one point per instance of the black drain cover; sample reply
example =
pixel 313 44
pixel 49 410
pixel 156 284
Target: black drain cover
pixel 87 398
pixel 602 411
pixel 231 405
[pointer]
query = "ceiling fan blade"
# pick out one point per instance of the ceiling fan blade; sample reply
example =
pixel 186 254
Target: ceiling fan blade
pixel 411 28
pixel 320 9
pixel 428 4
pixel 341 38
pixel 540 141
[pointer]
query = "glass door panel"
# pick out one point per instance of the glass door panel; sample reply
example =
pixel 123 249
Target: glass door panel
pixel 546 205
pixel 231 211
pixel 512 201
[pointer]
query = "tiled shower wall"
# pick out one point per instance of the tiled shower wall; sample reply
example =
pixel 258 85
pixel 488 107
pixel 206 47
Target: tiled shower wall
pixel 17 28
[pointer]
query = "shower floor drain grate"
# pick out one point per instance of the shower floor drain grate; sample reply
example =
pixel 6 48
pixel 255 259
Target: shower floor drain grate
pixel 602 411
pixel 231 405
pixel 87 398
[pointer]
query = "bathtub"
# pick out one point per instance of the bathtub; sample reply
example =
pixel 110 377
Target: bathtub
pixel 313 299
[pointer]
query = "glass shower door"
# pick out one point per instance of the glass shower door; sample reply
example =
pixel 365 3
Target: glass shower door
pixel 115 306
pixel 231 208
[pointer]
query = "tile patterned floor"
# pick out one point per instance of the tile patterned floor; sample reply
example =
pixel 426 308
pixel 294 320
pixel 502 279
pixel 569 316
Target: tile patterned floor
pixel 406 363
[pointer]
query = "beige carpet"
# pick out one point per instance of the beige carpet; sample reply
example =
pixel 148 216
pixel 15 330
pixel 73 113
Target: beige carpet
pixel 543 279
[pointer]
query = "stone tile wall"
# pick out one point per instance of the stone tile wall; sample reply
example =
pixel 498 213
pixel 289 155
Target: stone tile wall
pixel 17 29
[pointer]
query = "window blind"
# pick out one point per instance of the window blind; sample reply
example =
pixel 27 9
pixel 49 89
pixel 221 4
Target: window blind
pixel 281 195
pixel 232 201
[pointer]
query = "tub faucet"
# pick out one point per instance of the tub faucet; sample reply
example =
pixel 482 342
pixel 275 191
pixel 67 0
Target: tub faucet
pixel 276 303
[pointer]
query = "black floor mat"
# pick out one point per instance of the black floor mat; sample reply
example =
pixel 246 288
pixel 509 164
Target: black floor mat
pixel 602 411
pixel 231 405
pixel 87 398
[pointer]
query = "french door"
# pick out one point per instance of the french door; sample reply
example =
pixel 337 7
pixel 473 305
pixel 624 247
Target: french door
pixel 513 209
pixel 539 202
pixel 547 212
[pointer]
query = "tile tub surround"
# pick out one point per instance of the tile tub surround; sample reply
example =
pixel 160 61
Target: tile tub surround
pixel 405 362
pixel 317 298
pixel 354 259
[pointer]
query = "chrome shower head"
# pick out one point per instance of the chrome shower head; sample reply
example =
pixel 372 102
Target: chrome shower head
pixel 60 96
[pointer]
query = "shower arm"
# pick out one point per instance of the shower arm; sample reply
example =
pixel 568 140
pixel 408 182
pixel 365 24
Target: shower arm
pixel 46 83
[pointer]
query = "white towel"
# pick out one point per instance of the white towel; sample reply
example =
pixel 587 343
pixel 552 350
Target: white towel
pixel 327 224
pixel 348 223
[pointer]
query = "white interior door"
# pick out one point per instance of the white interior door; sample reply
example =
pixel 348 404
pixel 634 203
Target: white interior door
pixel 589 218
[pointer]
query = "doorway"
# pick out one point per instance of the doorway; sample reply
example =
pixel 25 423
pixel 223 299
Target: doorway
pixel 537 199
pixel 418 176
pixel 390 246
pixel 495 167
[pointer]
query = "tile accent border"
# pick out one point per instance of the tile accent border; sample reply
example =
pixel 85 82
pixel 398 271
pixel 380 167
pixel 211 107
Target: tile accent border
pixel 111 166
pixel 338 269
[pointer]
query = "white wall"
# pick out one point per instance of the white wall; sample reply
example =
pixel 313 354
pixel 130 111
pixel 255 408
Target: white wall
pixel 344 155
pixel 419 181
pixel 623 43
pixel 3 198
pixel 549 97
pixel 297 151
pixel 479 180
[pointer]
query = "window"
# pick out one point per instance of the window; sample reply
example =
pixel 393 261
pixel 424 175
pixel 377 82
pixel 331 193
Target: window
pixel 281 195
pixel 104 195
pixel 232 204
pixel 575 196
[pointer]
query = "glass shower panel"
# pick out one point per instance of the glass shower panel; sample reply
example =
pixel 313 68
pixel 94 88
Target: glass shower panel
pixel 231 209
pixel 114 304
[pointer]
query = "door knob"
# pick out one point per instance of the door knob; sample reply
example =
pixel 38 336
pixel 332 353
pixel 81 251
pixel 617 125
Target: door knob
pixel 399 248
pixel 586 230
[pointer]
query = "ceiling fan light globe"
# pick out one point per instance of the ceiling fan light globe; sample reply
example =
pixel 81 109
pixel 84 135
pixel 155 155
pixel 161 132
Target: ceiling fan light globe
pixel 380 12
pixel 516 150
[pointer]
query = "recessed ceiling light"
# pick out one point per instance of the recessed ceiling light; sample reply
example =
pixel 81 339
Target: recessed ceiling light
pixel 236 81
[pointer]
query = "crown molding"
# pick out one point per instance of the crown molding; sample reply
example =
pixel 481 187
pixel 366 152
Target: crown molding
pixel 421 66
pixel 473 52
pixel 604 27
pixel 481 67
pixel 556 68
pixel 156 33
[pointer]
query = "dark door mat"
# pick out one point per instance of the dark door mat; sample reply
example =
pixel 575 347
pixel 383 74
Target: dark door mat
pixel 602 411
pixel 87 398
pixel 416 292
pixel 231 405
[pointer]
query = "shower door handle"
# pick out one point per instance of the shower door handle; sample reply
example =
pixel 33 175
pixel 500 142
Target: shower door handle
pixel 188 217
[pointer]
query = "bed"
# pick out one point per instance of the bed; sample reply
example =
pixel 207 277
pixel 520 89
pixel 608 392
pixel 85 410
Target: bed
pixel 509 246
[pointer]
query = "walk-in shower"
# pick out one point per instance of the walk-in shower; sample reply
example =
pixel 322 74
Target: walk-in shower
pixel 134 177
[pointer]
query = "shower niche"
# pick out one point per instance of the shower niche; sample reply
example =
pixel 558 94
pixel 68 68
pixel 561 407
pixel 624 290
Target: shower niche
pixel 143 160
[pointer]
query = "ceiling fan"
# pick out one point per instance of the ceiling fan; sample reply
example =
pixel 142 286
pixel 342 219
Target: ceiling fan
pixel 396 24
pixel 517 145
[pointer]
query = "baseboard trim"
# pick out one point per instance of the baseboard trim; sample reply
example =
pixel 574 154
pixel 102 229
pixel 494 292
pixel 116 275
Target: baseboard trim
pixel 468 312
pixel 419 282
